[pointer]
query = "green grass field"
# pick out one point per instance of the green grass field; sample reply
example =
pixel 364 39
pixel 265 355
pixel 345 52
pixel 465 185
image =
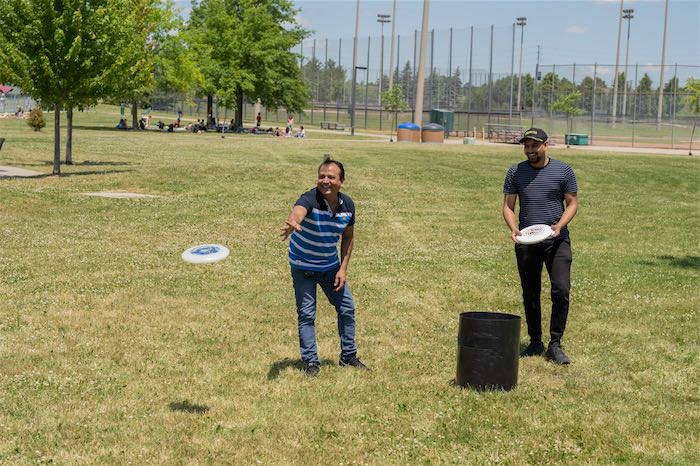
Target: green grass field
pixel 114 351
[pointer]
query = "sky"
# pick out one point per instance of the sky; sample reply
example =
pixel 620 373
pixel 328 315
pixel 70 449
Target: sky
pixel 567 31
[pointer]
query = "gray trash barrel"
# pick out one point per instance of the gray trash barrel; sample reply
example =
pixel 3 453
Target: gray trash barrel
pixel 488 353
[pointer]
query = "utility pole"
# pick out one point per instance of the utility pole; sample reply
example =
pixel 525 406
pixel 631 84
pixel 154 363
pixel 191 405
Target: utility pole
pixel 381 19
pixel 521 21
pixel 534 86
pixel 617 65
pixel 663 62
pixel 628 15
pixel 354 69
pixel 391 54
pixel 512 77
pixel 418 117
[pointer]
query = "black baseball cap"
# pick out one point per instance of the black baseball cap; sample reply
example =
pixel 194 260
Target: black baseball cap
pixel 536 134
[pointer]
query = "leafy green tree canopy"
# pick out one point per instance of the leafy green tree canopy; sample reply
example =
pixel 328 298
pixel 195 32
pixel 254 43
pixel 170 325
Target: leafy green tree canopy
pixel 243 47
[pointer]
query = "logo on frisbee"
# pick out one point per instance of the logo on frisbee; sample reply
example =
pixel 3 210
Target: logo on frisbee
pixel 534 234
pixel 205 254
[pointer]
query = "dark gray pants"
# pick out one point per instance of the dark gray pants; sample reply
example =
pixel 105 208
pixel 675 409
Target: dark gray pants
pixel 556 255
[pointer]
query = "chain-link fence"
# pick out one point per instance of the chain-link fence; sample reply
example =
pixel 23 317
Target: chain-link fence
pixel 478 74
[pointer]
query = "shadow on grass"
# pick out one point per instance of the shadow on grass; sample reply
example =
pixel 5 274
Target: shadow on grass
pixel 64 175
pixel 685 262
pixel 298 364
pixel 187 407
pixel 86 163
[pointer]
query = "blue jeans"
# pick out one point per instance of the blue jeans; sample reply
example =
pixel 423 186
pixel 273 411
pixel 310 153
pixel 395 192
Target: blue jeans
pixel 305 282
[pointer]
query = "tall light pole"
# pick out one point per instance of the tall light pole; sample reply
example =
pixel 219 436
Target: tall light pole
pixel 354 69
pixel 393 47
pixel 617 66
pixel 381 19
pixel 418 117
pixel 628 15
pixel 663 62
pixel 512 77
pixel 521 21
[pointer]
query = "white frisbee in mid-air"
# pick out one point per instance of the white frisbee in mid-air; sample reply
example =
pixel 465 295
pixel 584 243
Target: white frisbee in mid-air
pixel 205 254
pixel 534 234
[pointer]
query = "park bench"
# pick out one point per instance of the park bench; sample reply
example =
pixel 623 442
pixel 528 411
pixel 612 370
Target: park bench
pixel 510 134
pixel 332 125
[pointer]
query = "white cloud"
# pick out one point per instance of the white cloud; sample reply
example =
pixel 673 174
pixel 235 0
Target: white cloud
pixel 578 29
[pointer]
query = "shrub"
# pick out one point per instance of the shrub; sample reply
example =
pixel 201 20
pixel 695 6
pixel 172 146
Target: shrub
pixel 36 119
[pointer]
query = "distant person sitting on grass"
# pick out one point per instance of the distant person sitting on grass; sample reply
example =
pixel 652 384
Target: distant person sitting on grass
pixel 258 119
pixel 278 132
pixel 142 123
pixel 288 132
pixel 301 132
pixel 320 218
pixel 121 124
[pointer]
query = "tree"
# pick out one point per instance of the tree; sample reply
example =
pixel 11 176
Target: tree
pixel 243 47
pixel 393 101
pixel 646 97
pixel 568 104
pixel 693 99
pixel 586 90
pixel 67 53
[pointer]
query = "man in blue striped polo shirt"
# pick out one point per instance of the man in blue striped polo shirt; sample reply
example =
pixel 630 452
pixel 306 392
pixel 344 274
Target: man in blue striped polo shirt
pixel 547 191
pixel 319 219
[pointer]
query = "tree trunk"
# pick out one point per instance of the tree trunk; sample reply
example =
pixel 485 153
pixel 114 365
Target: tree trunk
pixel 57 138
pixel 210 110
pixel 239 107
pixel 134 115
pixel 69 136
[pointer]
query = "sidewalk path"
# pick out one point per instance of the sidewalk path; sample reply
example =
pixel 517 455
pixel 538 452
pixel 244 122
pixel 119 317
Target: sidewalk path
pixel 11 172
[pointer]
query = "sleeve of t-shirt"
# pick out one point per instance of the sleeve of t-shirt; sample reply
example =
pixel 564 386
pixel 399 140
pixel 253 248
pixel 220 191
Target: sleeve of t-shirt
pixel 570 185
pixel 508 184
pixel 307 200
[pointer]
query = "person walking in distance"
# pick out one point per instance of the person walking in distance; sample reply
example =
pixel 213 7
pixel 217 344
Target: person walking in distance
pixel 319 219
pixel 547 192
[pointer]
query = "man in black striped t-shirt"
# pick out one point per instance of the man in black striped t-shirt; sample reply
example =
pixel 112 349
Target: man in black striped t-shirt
pixel 547 191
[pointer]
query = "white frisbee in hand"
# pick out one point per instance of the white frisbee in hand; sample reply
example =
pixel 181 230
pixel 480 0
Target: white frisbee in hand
pixel 205 254
pixel 534 234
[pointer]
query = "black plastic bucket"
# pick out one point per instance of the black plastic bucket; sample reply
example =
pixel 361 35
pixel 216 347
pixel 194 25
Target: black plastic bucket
pixel 487 356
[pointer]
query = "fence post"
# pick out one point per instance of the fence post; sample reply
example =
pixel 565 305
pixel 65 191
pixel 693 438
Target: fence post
pixel 635 103
pixel 469 90
pixel 367 80
pixel 325 68
pixel 337 99
pixel 314 98
pixel 595 76
pixel 673 106
pixel 413 89
pixel 512 78
pixel 430 76
pixel 449 74
pixel 490 74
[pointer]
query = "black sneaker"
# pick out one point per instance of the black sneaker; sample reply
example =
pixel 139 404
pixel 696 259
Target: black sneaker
pixel 353 362
pixel 533 349
pixel 556 354
pixel 312 369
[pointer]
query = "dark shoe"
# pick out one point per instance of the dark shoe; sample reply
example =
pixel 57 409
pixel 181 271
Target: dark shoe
pixel 353 362
pixel 312 369
pixel 533 349
pixel 556 354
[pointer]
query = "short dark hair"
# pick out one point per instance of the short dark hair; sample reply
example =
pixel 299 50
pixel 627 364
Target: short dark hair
pixel 328 160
